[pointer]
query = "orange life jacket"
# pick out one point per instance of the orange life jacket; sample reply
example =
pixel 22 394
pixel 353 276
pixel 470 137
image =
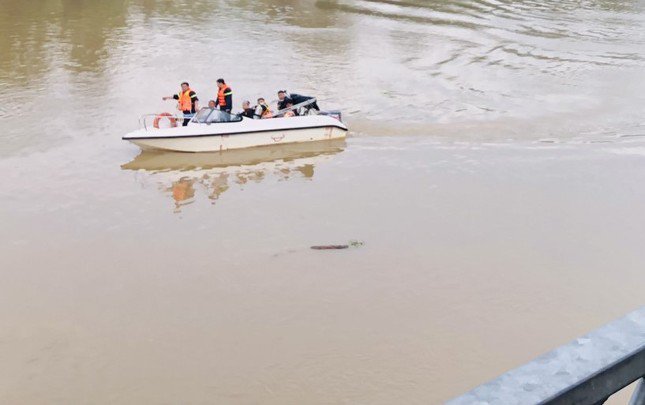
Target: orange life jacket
pixel 266 112
pixel 221 96
pixel 185 103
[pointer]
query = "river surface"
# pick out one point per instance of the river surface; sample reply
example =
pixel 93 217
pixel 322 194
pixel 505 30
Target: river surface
pixel 494 175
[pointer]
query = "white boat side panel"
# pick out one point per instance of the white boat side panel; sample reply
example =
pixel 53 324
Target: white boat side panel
pixel 214 143
pixel 244 126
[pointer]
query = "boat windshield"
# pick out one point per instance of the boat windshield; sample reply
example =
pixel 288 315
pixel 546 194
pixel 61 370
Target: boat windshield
pixel 211 115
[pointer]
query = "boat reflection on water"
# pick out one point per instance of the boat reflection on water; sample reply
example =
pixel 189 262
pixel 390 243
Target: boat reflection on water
pixel 181 174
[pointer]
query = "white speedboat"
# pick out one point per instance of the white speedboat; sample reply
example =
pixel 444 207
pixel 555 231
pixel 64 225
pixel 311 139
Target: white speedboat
pixel 211 130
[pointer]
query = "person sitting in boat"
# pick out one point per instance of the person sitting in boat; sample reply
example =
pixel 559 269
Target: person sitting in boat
pixel 285 97
pixel 262 110
pixel 282 99
pixel 291 113
pixel 224 96
pixel 211 104
pixel 187 102
pixel 247 111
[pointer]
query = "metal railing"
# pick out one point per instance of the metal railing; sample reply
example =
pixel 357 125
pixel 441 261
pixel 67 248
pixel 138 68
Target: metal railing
pixel 143 119
pixel 585 371
pixel 294 107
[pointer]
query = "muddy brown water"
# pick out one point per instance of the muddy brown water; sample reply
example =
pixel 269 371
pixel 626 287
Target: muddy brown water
pixel 494 174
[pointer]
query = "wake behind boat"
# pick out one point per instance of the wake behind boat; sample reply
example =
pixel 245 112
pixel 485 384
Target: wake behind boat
pixel 213 130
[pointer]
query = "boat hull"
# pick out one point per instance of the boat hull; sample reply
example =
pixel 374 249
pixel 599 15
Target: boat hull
pixel 201 138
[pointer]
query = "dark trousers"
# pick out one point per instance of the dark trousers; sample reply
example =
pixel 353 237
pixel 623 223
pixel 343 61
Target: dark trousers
pixel 187 120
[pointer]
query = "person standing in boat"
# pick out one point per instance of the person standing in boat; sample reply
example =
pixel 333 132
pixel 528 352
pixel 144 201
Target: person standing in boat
pixel 187 102
pixel 224 98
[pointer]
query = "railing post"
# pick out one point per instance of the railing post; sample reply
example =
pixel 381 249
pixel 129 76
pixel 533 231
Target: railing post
pixel 586 371
pixel 638 397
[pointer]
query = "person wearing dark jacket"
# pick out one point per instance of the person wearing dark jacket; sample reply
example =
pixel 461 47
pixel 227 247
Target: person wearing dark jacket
pixel 247 111
pixel 224 98
pixel 294 98
pixel 292 113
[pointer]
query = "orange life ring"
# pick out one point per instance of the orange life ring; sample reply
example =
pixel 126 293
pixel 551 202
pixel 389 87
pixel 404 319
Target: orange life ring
pixel 171 118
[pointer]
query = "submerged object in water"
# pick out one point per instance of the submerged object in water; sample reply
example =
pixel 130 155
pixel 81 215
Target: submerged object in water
pixel 330 247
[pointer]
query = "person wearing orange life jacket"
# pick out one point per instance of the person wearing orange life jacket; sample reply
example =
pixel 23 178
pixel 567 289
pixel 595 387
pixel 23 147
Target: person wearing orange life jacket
pixel 224 98
pixel 262 110
pixel 187 102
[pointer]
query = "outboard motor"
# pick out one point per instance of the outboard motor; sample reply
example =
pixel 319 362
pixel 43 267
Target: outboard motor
pixel 334 114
